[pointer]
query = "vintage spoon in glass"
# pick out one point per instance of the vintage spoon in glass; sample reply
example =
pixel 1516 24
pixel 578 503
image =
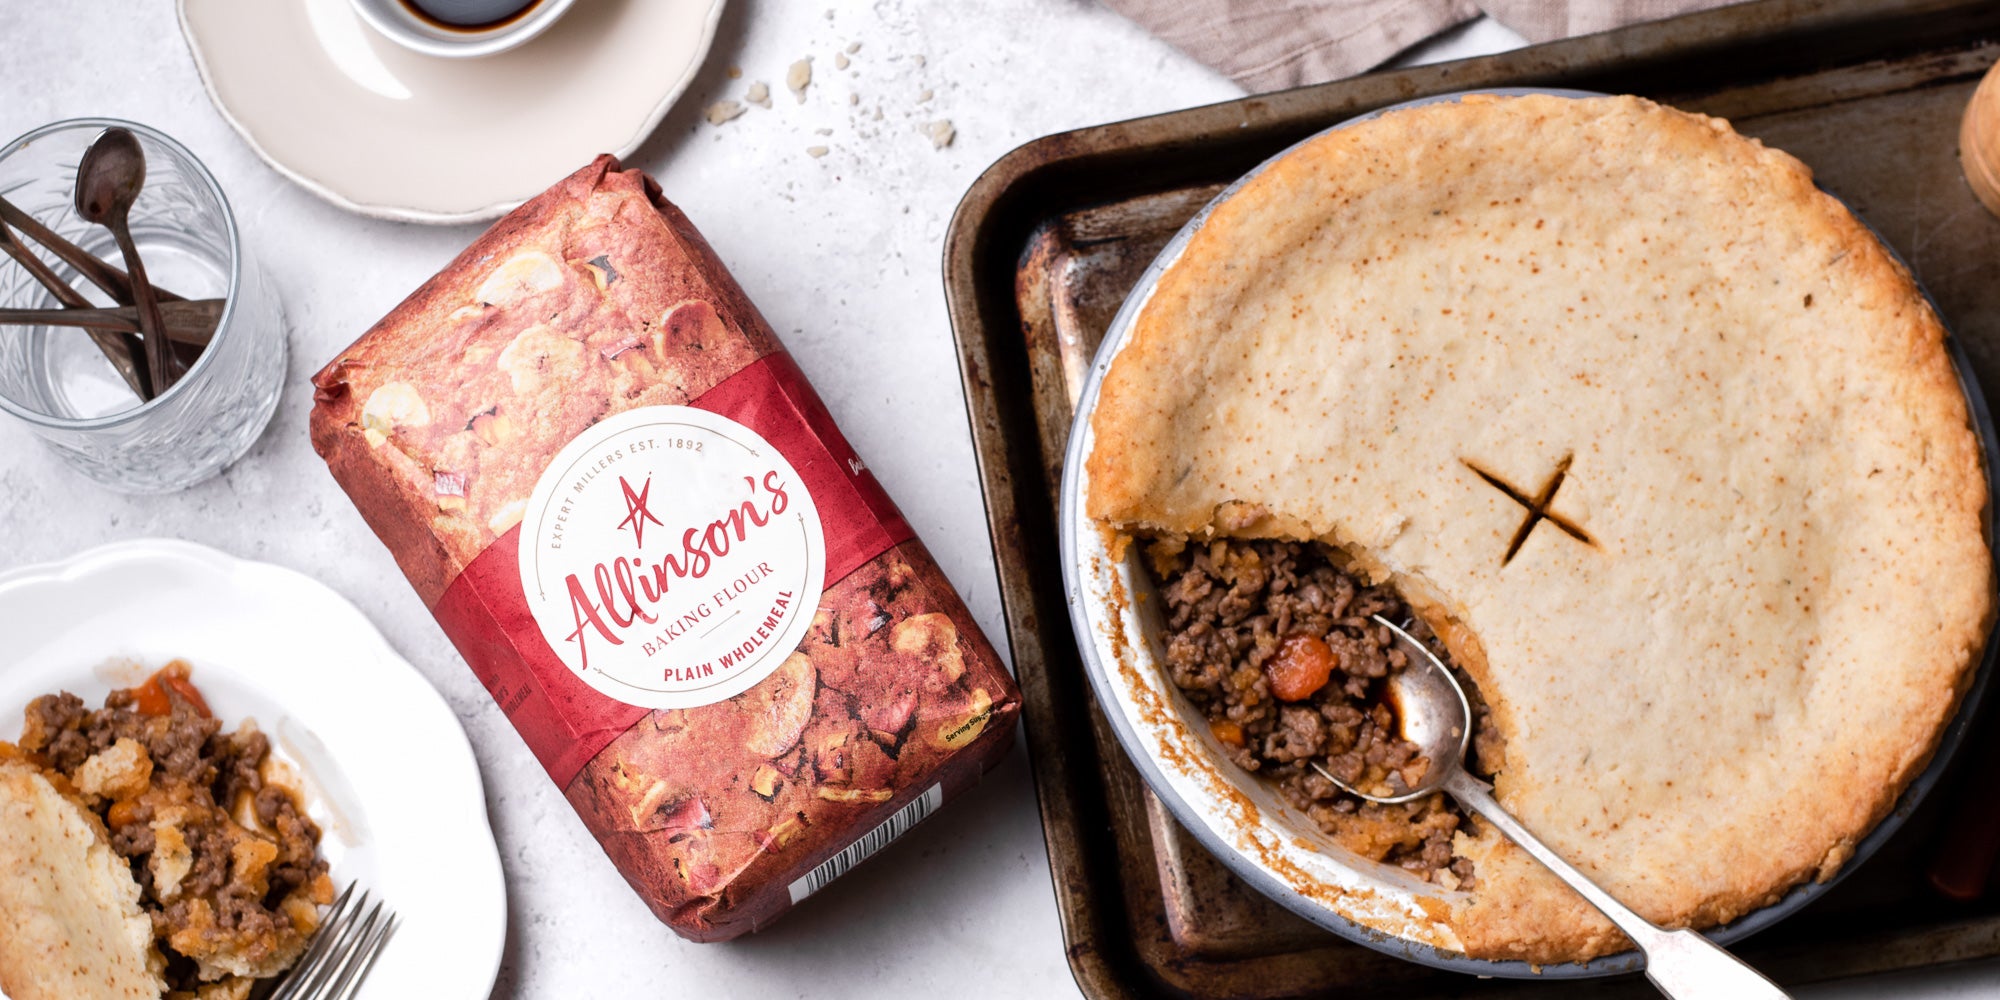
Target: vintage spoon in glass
pixel 1436 717
pixel 108 181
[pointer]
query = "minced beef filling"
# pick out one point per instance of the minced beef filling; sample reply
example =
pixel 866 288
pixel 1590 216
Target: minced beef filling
pixel 177 794
pixel 1274 643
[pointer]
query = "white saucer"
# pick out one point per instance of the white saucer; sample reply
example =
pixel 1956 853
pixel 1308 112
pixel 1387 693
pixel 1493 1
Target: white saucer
pixel 389 775
pixel 381 130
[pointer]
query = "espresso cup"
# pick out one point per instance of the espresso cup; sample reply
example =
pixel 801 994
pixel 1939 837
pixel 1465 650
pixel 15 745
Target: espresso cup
pixel 459 29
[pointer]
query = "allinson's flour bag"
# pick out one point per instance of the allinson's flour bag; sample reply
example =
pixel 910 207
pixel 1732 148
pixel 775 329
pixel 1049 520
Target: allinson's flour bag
pixel 635 519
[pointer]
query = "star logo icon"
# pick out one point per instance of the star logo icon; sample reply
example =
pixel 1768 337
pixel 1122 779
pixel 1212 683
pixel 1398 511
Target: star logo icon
pixel 636 514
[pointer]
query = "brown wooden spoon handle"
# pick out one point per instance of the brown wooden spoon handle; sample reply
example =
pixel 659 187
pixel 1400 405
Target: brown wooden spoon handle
pixel 114 282
pixel 187 322
pixel 121 348
pixel 160 357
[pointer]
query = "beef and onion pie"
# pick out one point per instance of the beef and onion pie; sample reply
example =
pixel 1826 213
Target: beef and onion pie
pixel 1661 443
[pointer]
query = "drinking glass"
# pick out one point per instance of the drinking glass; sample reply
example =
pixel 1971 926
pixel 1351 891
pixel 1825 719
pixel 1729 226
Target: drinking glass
pixel 57 380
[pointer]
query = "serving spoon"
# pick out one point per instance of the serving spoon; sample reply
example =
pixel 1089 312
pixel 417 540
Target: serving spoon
pixel 1437 718
pixel 108 180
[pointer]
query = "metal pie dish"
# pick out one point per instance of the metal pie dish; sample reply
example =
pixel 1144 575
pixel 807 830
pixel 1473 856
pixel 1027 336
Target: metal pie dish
pixel 1239 816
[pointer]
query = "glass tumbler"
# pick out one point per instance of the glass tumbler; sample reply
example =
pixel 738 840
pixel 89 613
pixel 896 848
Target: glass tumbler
pixel 55 377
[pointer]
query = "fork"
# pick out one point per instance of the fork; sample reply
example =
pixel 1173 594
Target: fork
pixel 342 952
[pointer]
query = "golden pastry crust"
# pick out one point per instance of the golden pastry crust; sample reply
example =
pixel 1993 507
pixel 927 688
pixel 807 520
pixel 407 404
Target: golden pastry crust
pixel 1770 580
pixel 68 902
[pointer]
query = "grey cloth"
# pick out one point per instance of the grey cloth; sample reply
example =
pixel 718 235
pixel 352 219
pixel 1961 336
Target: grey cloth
pixel 1272 44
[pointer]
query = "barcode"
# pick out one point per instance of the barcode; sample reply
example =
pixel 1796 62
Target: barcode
pixel 870 842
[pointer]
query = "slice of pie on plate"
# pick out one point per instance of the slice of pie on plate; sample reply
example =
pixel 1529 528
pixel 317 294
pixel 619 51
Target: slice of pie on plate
pixel 1659 439
pixel 68 903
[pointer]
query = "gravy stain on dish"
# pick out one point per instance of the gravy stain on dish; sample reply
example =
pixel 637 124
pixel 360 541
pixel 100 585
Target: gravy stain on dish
pixel 323 783
pixel 121 672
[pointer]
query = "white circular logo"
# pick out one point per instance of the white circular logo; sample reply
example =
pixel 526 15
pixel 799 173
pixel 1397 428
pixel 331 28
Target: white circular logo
pixel 672 557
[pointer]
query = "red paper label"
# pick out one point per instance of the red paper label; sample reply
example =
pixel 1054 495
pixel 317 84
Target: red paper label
pixel 566 720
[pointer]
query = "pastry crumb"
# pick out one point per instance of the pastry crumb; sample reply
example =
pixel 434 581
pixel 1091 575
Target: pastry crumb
pixel 736 72
pixel 941 132
pixel 919 60
pixel 853 47
pixel 799 77
pixel 816 151
pixel 759 94
pixel 853 98
pixel 722 111
pixel 822 131
pixel 840 60
pixel 924 98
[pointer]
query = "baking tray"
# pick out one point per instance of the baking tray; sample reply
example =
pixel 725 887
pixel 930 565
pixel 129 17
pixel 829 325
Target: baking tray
pixel 1049 239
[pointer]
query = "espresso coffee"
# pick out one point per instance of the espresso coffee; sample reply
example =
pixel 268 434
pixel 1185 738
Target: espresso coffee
pixel 470 15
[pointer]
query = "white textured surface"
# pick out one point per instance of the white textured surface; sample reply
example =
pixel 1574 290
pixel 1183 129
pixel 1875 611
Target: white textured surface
pixel 841 253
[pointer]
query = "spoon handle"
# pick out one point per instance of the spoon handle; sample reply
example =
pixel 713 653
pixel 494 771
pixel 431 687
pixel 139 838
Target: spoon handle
pixel 123 350
pixel 159 357
pixel 188 322
pixel 114 282
pixel 1682 963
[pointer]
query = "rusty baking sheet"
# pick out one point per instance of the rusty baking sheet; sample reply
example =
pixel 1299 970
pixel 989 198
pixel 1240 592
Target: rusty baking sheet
pixel 1049 239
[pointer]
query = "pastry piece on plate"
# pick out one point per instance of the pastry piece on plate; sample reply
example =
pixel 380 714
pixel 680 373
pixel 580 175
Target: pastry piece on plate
pixel 69 903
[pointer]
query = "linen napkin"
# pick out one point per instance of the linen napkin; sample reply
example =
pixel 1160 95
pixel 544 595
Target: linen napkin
pixel 1273 44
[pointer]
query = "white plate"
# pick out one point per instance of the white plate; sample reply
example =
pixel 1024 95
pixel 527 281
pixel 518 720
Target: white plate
pixel 387 132
pixel 390 777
